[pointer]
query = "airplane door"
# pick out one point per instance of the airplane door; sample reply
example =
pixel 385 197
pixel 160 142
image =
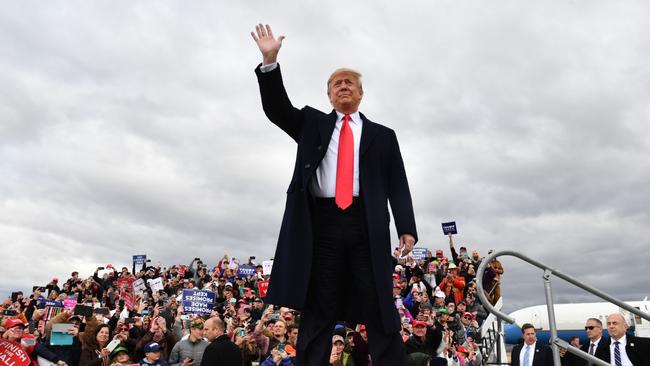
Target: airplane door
pixel 537 321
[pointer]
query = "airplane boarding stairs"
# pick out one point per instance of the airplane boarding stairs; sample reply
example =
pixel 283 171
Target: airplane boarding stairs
pixel 493 345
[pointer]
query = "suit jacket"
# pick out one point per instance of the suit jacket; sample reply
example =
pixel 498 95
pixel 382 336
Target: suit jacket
pixel 222 352
pixel 601 351
pixel 638 350
pixel 382 179
pixel 543 355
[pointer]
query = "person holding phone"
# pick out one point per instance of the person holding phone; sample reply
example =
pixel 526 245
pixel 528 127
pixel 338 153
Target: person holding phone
pixel 158 333
pixel 189 351
pixel 425 339
pixel 94 351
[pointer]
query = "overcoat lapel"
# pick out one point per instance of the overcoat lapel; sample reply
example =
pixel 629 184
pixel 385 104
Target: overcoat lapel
pixel 325 129
pixel 368 133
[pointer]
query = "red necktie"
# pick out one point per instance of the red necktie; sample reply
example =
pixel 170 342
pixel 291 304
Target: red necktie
pixel 345 165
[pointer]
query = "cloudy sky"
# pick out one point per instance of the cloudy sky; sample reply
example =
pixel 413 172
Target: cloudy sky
pixel 136 127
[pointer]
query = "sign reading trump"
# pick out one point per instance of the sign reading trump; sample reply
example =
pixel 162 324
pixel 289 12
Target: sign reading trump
pixel 449 228
pixel 198 302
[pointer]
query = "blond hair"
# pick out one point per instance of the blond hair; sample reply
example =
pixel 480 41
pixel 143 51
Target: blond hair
pixel 345 70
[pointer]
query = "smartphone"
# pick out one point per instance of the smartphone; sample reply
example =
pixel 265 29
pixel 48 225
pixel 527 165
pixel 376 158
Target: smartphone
pixel 83 310
pixel 100 268
pixel 191 360
pixel 145 312
pixel 121 303
pixel 28 342
pixel 161 302
pixel 10 312
pixel 274 316
pixel 129 320
pixel 14 296
pixel 185 317
pixel 114 343
pixel 233 300
pixel 281 347
pixel 102 311
pixel 242 332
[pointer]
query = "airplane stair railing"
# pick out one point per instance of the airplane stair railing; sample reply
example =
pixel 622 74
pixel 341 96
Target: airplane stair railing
pixel 556 342
pixel 491 345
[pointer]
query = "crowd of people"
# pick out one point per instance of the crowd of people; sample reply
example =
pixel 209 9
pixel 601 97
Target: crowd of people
pixel 115 324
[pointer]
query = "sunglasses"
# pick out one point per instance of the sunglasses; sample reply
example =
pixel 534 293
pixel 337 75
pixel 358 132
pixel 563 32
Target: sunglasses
pixel 591 327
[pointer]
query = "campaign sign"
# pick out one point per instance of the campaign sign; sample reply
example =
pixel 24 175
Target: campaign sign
pixel 11 354
pixel 267 267
pixel 262 287
pixel 245 270
pixel 156 284
pixel 420 254
pixel 69 303
pixel 139 285
pixel 54 304
pixel 124 283
pixel 129 300
pixel 199 302
pixel 139 259
pixel 449 228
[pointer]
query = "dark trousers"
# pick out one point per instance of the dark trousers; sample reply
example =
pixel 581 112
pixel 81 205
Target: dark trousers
pixel 341 259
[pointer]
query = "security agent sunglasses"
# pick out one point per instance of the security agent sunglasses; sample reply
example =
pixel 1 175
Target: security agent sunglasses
pixel 591 327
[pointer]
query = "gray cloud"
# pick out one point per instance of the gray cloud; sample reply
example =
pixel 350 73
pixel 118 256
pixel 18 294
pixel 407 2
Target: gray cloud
pixel 138 129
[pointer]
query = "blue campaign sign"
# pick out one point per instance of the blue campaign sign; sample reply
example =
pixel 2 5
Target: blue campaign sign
pixel 55 304
pixel 449 228
pixel 139 259
pixel 245 270
pixel 199 302
pixel 420 253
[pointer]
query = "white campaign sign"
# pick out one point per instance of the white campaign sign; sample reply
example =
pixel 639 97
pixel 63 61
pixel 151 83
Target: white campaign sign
pixel 156 284
pixel 267 267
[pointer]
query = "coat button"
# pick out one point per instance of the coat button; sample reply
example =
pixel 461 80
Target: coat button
pixel 307 166
pixel 319 148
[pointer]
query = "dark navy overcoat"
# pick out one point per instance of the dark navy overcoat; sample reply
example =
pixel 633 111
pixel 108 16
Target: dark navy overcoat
pixel 382 179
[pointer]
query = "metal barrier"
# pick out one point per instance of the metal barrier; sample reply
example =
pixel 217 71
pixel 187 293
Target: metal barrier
pixel 548 271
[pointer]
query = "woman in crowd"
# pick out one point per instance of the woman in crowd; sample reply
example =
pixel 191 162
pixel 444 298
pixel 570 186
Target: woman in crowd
pixel 94 351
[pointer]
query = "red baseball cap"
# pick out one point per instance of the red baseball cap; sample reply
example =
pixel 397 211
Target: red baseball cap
pixel 14 322
pixel 418 323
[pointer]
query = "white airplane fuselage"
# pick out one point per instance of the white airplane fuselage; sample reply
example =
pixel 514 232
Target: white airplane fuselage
pixel 570 320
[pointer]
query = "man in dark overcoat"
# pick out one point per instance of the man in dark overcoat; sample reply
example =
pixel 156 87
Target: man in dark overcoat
pixel 336 219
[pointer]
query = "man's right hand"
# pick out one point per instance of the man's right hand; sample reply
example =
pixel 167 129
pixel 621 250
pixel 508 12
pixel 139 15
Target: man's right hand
pixel 267 43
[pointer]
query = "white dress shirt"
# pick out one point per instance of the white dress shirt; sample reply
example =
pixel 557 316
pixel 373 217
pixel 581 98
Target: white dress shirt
pixel 531 355
pixel 625 361
pixel 324 182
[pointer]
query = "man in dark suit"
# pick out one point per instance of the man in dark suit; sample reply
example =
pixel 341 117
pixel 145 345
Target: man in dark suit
pixel 626 350
pixel 221 351
pixel 531 352
pixel 598 345
pixel 336 220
